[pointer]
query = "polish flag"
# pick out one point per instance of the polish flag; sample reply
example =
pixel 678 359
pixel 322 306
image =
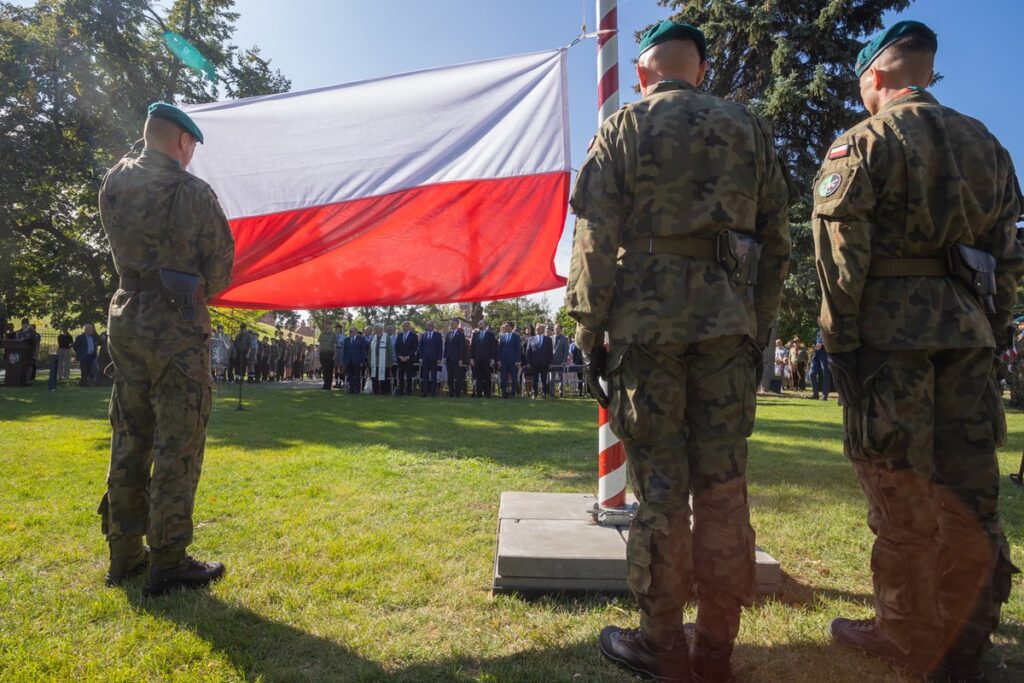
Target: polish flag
pixel 438 186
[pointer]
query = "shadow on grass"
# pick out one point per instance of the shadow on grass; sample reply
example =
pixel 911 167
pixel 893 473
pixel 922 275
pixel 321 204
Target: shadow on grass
pixel 263 649
pixel 799 594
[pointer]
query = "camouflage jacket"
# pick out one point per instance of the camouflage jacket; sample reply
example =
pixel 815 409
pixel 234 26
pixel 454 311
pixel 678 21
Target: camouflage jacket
pixel 909 182
pixel 678 163
pixel 157 215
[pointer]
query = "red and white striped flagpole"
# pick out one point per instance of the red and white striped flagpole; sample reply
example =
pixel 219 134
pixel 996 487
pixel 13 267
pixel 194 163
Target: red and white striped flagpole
pixel 607 59
pixel 611 467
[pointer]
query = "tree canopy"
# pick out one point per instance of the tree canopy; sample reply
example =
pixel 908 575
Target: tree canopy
pixel 76 77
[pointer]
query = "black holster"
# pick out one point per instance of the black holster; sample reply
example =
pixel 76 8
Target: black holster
pixel 181 290
pixel 739 254
pixel 976 269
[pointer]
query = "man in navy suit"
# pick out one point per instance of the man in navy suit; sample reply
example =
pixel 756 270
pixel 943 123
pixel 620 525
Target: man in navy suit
pixel 86 349
pixel 483 356
pixel 430 353
pixel 406 344
pixel 455 354
pixel 354 355
pixel 510 356
pixel 539 353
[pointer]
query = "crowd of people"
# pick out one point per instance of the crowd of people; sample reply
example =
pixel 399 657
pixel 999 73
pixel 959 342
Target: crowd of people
pixel 382 360
pixel 89 348
pixel 794 365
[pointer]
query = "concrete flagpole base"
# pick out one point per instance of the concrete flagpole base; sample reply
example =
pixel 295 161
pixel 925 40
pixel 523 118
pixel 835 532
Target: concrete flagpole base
pixel 548 542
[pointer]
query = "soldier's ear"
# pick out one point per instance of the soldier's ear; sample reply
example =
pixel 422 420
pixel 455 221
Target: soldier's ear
pixel 641 77
pixel 701 73
pixel 877 78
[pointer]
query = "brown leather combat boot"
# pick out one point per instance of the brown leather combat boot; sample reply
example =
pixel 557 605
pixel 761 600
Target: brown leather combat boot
pixel 709 662
pixel 865 636
pixel 123 568
pixel 631 650
pixel 189 573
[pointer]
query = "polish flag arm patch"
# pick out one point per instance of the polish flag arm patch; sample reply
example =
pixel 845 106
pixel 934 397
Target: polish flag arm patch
pixel 839 152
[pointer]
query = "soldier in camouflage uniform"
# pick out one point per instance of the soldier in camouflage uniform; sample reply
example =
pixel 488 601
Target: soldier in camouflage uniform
pixel 1016 377
pixel 668 184
pixel 160 219
pixel 911 352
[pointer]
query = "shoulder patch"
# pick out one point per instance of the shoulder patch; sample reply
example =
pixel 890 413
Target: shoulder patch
pixel 829 185
pixel 839 152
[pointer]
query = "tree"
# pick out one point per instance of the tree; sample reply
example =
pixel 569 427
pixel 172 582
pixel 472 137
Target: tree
pixel 567 322
pixel 76 77
pixel 521 310
pixel 791 62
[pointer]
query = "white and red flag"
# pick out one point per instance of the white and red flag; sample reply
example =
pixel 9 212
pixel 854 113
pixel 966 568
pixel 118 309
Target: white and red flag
pixel 437 186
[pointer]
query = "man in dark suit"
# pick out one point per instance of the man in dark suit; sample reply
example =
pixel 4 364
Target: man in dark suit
pixel 455 354
pixel 510 356
pixel 86 348
pixel 431 353
pixel 539 352
pixel 405 348
pixel 354 356
pixel 241 351
pixel 483 357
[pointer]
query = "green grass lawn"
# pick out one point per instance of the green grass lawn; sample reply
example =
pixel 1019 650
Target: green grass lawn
pixel 359 533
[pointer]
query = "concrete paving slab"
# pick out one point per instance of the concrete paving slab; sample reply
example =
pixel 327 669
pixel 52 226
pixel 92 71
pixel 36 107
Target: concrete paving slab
pixel 548 543
pixel 527 505
pixel 565 506
pixel 559 548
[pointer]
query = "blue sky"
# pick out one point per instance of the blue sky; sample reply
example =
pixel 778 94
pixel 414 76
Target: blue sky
pixel 320 42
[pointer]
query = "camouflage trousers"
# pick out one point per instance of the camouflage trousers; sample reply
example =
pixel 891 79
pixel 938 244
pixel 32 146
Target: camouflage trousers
pixel 923 444
pixel 683 414
pixel 159 409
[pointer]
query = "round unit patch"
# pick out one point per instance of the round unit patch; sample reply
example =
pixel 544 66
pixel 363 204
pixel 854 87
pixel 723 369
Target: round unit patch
pixel 830 184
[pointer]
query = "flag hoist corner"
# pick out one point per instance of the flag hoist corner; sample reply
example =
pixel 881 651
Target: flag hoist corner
pixel 438 186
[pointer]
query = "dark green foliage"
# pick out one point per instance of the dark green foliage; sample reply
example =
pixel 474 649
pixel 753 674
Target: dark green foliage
pixel 521 310
pixel 76 77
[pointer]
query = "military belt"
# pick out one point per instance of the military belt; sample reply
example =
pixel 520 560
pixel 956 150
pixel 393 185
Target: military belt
pixel 704 249
pixel 909 267
pixel 141 283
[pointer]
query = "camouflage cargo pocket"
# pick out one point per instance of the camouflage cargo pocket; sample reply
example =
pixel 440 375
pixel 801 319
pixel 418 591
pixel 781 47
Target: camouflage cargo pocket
pixel 889 566
pixel 639 547
pixel 627 417
pixel 103 511
pixel 746 426
pixel 114 412
pixel 883 434
pixel 1002 577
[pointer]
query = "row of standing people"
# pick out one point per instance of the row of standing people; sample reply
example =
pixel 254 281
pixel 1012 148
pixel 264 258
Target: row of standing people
pixel 248 356
pixel 390 360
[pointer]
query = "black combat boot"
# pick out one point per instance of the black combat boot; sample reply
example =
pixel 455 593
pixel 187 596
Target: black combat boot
pixel 865 636
pixel 123 568
pixel 709 662
pixel 189 573
pixel 631 650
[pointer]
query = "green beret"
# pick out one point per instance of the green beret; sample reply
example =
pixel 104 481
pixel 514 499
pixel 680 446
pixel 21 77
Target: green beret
pixel 162 110
pixel 673 30
pixel 889 36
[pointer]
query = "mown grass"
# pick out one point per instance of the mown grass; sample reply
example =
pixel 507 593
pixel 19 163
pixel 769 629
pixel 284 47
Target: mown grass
pixel 359 535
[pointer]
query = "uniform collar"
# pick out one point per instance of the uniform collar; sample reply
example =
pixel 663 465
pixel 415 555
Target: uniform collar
pixel 158 157
pixel 912 94
pixel 664 86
